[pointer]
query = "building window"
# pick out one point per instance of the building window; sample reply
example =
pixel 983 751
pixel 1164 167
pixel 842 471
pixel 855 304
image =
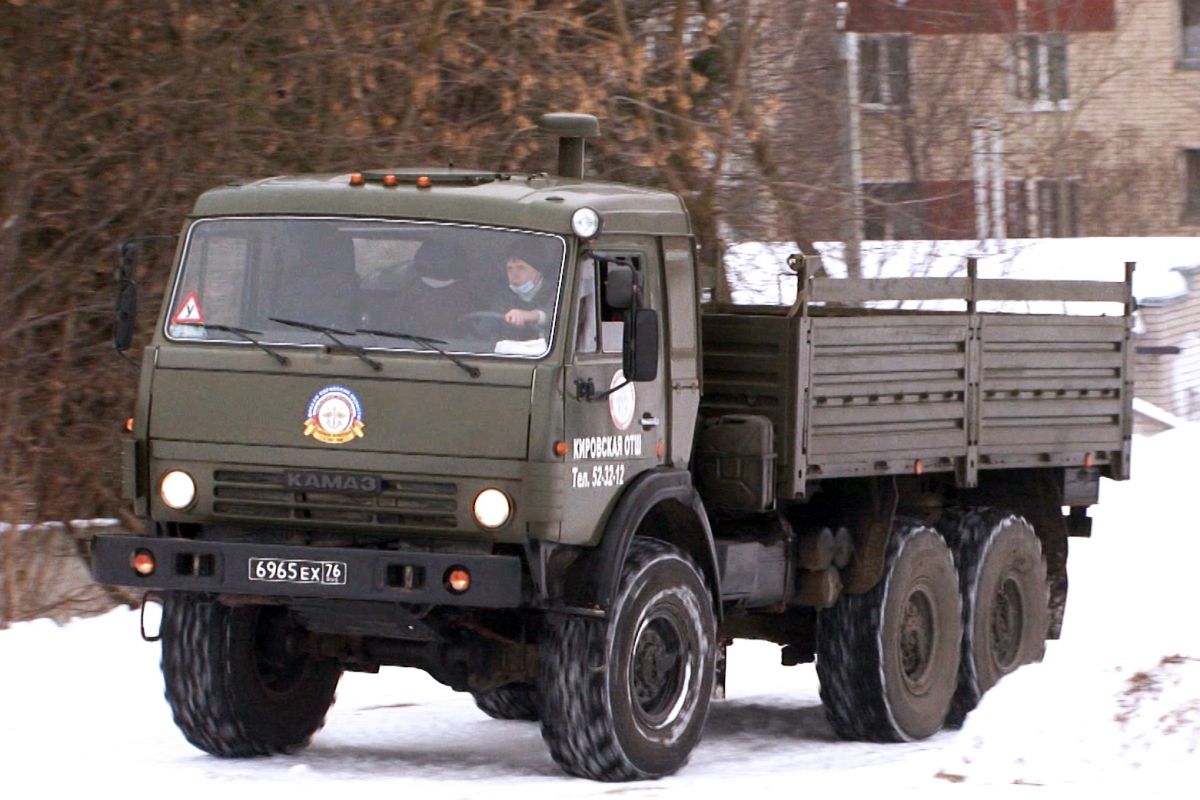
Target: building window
pixel 1016 210
pixel 1057 206
pixel 1191 31
pixel 883 74
pixel 1040 69
pixel 1191 203
pixel 1042 207
pixel 892 211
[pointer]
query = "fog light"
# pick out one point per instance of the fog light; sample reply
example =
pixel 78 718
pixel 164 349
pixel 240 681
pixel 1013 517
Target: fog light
pixel 458 579
pixel 142 562
pixel 177 489
pixel 492 508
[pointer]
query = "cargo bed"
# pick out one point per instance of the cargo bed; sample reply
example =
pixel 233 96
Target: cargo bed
pixel 856 391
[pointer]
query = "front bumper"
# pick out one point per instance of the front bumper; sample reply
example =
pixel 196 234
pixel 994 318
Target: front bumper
pixel 379 575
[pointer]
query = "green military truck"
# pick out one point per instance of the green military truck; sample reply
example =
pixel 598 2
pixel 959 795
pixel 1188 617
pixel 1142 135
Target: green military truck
pixel 481 424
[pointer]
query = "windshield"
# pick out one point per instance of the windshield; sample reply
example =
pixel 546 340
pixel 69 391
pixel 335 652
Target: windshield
pixel 377 283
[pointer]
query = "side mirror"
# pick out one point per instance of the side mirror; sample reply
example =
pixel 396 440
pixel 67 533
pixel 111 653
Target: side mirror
pixel 127 299
pixel 639 359
pixel 620 286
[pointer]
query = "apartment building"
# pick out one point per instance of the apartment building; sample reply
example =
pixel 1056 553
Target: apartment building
pixel 1025 118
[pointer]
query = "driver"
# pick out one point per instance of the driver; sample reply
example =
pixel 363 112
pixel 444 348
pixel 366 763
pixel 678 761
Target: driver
pixel 529 302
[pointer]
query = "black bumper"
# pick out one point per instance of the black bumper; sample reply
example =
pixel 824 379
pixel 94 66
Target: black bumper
pixel 380 575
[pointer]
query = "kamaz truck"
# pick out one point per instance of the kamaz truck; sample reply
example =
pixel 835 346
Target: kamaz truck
pixel 481 424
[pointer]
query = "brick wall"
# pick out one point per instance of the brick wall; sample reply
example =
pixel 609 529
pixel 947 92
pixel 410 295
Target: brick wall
pixel 1131 111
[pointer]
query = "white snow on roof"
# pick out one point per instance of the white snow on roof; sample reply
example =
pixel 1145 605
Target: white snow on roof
pixel 759 274
pixel 1159 415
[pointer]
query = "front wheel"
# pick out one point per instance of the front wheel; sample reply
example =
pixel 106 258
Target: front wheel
pixel 240 681
pixel 626 698
pixel 888 659
pixel 516 701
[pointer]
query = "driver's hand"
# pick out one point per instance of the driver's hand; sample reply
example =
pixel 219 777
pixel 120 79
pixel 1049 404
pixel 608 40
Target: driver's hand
pixel 520 317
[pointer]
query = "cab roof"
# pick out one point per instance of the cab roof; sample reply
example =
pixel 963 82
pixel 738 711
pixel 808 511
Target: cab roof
pixel 536 202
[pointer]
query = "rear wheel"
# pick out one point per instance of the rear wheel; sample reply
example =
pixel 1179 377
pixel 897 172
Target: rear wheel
pixel 510 701
pixel 240 681
pixel 626 698
pixel 888 659
pixel 1005 596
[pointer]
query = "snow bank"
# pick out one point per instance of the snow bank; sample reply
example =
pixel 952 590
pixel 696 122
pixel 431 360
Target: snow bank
pixel 1116 703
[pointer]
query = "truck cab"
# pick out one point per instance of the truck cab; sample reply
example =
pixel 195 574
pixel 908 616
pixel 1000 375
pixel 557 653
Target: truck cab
pixel 373 343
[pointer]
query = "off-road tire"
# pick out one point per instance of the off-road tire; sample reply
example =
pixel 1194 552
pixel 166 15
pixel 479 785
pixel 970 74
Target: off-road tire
pixel 234 684
pixel 1005 599
pixel 626 698
pixel 888 659
pixel 511 701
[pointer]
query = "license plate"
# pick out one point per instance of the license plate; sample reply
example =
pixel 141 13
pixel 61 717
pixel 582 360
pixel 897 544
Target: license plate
pixel 294 570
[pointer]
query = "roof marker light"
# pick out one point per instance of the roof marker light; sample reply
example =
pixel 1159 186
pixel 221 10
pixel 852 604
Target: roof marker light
pixel 391 181
pixel 424 182
pixel 357 179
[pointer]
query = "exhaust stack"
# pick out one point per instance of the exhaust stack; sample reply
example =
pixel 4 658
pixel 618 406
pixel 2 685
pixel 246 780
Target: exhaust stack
pixel 572 130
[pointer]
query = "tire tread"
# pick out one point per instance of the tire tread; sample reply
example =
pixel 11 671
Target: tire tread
pixel 968 532
pixel 201 685
pixel 577 718
pixel 849 654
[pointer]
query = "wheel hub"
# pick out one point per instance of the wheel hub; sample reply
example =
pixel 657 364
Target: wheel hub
pixel 1007 628
pixel 658 670
pixel 917 634
pixel 279 657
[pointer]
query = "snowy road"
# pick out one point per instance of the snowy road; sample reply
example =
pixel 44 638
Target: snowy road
pixel 1115 706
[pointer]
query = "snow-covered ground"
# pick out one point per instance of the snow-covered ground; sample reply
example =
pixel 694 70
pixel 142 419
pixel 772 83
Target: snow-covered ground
pixel 1115 707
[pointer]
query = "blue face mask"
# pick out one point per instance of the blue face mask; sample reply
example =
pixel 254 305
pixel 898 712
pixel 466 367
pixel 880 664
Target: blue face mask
pixel 526 290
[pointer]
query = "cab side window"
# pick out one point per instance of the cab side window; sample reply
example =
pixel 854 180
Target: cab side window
pixel 600 328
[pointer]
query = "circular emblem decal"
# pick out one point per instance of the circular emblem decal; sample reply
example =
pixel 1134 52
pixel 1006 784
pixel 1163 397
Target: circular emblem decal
pixel 334 416
pixel 623 402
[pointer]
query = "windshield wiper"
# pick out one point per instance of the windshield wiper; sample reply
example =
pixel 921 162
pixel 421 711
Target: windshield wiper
pixel 328 331
pixel 246 334
pixel 426 342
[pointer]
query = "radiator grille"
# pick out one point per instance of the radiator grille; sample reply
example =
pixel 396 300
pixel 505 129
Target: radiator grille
pixel 402 502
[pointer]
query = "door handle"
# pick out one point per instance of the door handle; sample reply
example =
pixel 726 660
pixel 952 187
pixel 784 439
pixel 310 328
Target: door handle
pixel 649 422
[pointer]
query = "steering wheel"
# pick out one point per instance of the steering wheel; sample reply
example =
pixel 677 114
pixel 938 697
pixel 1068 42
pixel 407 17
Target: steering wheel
pixel 484 324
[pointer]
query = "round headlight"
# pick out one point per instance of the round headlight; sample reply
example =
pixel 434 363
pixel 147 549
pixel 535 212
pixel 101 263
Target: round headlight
pixel 586 223
pixel 177 489
pixel 492 508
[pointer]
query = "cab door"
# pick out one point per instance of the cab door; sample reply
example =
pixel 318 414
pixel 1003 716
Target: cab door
pixel 613 429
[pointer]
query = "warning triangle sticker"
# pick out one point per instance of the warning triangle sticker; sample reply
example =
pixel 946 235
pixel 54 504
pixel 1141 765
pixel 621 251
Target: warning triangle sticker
pixel 189 312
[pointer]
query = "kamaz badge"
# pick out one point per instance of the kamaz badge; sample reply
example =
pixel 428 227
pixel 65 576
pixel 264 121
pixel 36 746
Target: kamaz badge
pixel 334 416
